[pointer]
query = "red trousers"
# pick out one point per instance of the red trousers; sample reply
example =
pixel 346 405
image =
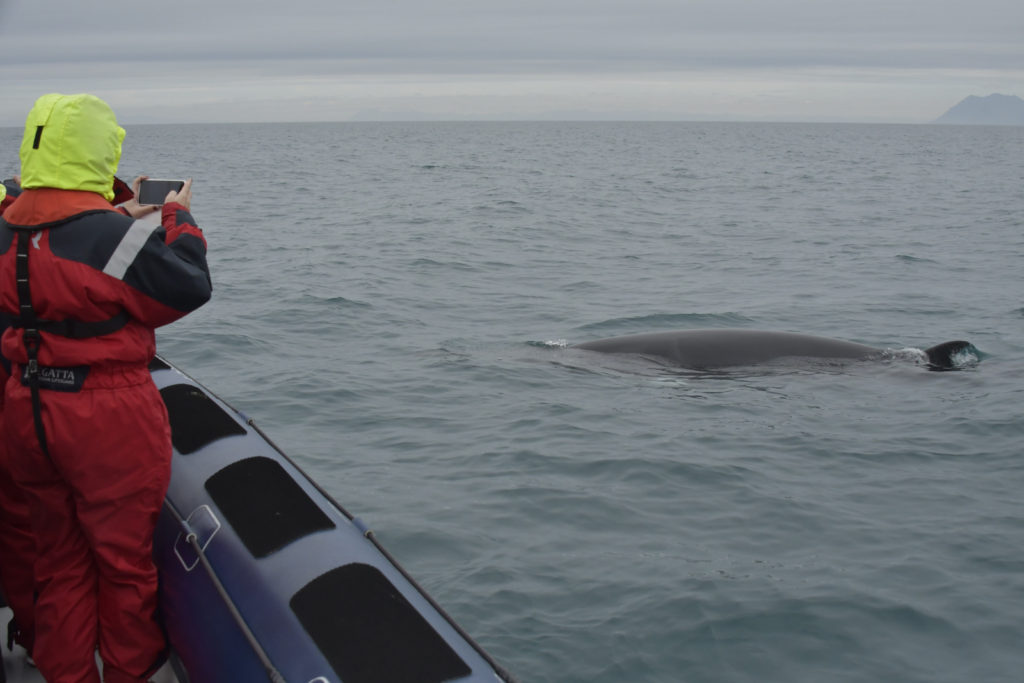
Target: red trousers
pixel 95 499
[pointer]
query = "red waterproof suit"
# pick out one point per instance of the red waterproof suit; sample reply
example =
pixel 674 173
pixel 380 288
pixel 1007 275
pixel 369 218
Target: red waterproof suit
pixel 97 486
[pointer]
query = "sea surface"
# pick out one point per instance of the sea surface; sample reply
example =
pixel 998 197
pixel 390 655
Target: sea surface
pixel 394 304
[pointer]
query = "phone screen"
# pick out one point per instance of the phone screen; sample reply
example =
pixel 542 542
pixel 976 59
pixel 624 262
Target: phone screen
pixel 154 191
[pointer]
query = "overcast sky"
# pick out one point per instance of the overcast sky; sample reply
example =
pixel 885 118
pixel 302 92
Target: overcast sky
pixel 902 61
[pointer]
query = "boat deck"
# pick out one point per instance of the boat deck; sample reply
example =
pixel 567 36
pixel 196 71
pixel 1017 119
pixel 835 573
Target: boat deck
pixel 16 666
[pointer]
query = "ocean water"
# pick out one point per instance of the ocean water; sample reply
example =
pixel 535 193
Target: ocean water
pixel 394 304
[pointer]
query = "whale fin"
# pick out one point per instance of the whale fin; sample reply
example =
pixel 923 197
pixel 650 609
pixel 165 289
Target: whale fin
pixel 951 355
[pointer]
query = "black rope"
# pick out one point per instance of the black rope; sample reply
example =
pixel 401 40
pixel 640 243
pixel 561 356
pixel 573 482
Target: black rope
pixel 190 536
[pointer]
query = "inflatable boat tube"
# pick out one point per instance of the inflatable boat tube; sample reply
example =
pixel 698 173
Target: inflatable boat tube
pixel 264 577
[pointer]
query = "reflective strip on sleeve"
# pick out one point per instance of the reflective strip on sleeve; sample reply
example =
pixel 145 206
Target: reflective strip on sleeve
pixel 130 246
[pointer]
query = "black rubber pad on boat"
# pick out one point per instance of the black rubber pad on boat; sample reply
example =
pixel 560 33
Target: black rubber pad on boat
pixel 196 420
pixel 264 505
pixel 370 633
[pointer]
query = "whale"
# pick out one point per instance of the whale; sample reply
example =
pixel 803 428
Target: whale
pixel 708 349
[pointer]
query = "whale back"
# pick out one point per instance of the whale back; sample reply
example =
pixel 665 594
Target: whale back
pixel 714 348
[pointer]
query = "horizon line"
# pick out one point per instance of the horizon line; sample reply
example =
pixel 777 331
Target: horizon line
pixel 550 120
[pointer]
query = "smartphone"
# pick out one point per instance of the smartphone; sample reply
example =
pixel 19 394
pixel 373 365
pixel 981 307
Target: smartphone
pixel 155 191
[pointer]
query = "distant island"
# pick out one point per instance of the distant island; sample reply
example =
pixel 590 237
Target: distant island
pixel 994 110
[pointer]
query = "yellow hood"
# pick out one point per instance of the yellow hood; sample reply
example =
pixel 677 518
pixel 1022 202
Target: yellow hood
pixel 71 142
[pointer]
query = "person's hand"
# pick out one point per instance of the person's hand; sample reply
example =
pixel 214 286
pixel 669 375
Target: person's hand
pixel 132 206
pixel 182 196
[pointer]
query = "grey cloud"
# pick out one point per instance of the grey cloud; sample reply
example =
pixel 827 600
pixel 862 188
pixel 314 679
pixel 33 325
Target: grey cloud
pixel 669 34
pixel 205 46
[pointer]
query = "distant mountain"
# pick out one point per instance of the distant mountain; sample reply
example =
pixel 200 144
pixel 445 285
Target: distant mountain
pixel 994 110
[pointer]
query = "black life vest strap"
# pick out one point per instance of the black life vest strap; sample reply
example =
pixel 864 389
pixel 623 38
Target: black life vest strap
pixel 30 334
pixel 80 329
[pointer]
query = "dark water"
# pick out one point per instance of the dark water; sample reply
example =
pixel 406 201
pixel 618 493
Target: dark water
pixel 392 304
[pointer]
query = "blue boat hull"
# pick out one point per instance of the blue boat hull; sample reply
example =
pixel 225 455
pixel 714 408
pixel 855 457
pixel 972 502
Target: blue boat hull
pixel 265 577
